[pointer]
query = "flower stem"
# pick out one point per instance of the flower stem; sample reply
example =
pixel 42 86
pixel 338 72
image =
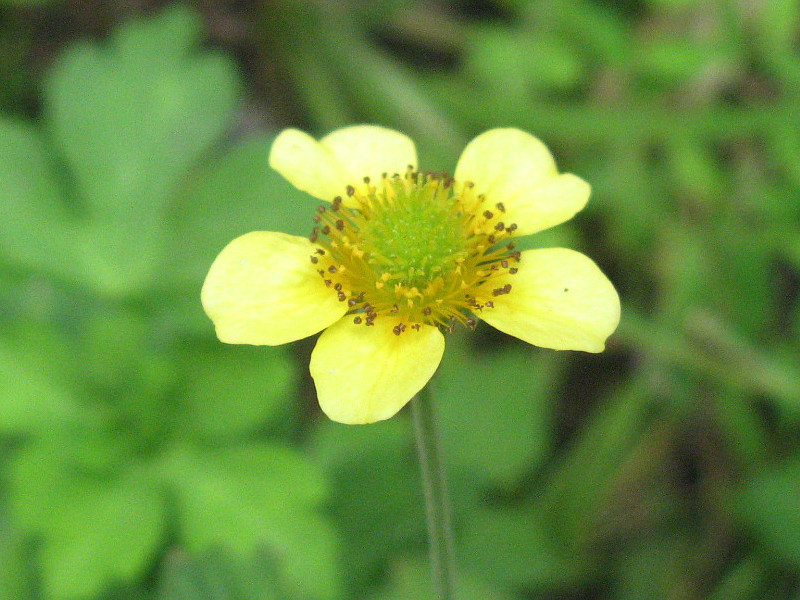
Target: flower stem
pixel 437 502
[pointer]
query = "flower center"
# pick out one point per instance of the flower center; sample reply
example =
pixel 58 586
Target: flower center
pixel 416 248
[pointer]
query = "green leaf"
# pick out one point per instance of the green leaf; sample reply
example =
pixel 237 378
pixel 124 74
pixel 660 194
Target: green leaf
pixel 776 25
pixel 36 230
pixel 237 390
pixel 769 505
pixel 240 193
pixel 246 498
pixel 647 570
pixel 379 506
pixel 517 62
pixel 16 571
pixel 29 400
pixel 216 575
pixel 496 426
pixel 94 531
pixel 130 119
pixel 678 59
pixel 513 547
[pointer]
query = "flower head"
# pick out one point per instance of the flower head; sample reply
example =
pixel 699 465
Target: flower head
pixel 398 257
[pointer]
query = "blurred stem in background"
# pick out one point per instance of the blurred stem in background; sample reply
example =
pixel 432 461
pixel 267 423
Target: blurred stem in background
pixel 437 501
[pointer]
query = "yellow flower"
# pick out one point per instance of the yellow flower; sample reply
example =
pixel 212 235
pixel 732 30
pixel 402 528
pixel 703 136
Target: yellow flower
pixel 397 257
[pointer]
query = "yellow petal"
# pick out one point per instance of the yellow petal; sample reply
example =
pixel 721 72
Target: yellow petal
pixel 513 167
pixel 559 299
pixel 369 150
pixel 262 289
pixel 366 374
pixel 325 168
pixel 308 165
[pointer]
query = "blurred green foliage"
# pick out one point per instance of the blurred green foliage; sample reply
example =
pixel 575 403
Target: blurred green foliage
pixel 142 459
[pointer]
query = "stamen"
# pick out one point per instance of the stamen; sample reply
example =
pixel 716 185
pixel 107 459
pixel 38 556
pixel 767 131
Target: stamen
pixel 415 246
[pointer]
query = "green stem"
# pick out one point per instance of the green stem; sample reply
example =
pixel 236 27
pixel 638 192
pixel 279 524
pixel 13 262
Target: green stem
pixel 437 503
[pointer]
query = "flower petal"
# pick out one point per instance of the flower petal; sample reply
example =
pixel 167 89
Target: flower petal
pixel 369 150
pixel 559 299
pixel 263 290
pixel 366 374
pixel 325 168
pixel 308 165
pixel 515 168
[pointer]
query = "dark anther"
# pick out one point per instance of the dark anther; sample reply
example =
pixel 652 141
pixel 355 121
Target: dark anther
pixel 366 179
pixel 341 296
pixel 328 282
pixel 321 272
pixel 357 320
pixel 504 263
pixel 352 302
pixel 501 207
pixel 332 269
pixel 513 270
pixel 416 326
pixel 566 289
pixel 339 224
pixel 500 226
pixel 494 268
pixel 427 311
pixel 470 185
pixel 337 203
pixel 395 309
pixel 488 214
pixel 489 304
pixel 316 218
pixel 351 190
pixel 491 239
pixel 338 287
pixel 326 230
pixel 510 245
pixel 320 251
pixel 314 259
pixel 471 323
pixel 321 208
pixel 516 255
pixel 398 329
pixel 367 307
pixel 511 228
pixel 313 237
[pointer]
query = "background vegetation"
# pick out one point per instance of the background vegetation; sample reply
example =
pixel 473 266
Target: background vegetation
pixel 141 459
